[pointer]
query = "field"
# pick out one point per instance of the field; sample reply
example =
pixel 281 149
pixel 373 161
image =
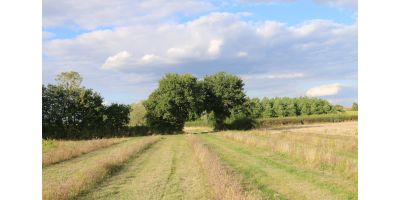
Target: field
pixel 318 161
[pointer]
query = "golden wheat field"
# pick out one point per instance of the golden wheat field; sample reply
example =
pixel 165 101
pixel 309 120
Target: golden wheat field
pixel 293 162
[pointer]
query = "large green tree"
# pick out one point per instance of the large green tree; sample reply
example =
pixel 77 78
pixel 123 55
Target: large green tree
pixel 223 92
pixel 169 106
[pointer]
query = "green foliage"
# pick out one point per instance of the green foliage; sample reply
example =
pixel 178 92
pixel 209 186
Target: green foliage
pixel 69 80
pixel 115 116
pixel 73 112
pixel 137 114
pixel 310 119
pixel 170 105
pixel 354 107
pixel 223 95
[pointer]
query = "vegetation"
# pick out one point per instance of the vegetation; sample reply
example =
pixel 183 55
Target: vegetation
pixel 169 106
pixel 137 114
pixel 297 162
pixel 64 150
pixel 224 185
pixel 73 112
pixel 88 177
pixel 354 107
pixel 320 154
pixel 224 96
pixel 167 170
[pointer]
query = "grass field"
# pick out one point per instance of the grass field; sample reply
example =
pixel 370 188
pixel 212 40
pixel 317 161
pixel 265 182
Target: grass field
pixel 292 162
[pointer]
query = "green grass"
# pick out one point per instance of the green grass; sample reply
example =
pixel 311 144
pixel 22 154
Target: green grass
pixel 352 112
pixel 168 169
pixel 273 173
pixel 307 119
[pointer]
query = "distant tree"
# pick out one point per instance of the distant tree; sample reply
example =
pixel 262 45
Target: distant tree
pixel 256 108
pixel 116 115
pixel 223 92
pixel 170 105
pixel 69 80
pixel 137 114
pixel 338 108
pixel 354 107
pixel 291 110
pixel 267 111
pixel 305 110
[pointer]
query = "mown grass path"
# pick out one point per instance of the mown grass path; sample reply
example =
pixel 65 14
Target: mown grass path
pixel 64 169
pixel 272 173
pixel 167 170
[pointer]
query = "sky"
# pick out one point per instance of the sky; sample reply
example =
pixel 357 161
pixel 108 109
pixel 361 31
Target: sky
pixel 284 48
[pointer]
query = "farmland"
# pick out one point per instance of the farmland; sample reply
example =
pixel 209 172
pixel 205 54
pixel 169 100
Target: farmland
pixel 316 161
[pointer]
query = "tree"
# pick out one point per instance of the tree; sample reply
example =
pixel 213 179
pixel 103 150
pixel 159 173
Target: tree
pixel 338 108
pixel 69 79
pixel 116 115
pixel 256 108
pixel 137 114
pixel 223 92
pixel 355 106
pixel 169 106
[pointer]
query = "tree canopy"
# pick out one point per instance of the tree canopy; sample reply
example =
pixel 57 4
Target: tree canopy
pixel 169 106
pixel 69 80
pixel 223 93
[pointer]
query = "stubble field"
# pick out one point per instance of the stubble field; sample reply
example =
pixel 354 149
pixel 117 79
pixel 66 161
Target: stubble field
pixel 292 162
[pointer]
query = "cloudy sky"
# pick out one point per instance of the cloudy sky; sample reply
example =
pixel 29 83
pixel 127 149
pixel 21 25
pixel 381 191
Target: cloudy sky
pixel 122 48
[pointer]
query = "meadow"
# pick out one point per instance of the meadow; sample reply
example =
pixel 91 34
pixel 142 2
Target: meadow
pixel 313 161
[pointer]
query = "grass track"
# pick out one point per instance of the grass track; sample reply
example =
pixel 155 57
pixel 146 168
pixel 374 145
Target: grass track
pixel 167 170
pixel 64 169
pixel 272 173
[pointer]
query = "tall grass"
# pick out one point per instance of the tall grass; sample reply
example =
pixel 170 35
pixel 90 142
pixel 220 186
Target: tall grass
pixel 316 157
pixel 309 139
pixel 85 179
pixel 65 151
pixel 245 122
pixel 223 185
pixel 199 123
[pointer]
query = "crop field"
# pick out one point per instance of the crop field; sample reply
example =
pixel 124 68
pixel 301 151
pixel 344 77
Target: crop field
pixel 317 161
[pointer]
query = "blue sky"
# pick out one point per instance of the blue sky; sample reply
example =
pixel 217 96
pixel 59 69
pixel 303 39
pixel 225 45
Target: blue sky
pixel 280 48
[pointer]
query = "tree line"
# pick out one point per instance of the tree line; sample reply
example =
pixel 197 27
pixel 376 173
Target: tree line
pixel 73 112
pixel 70 111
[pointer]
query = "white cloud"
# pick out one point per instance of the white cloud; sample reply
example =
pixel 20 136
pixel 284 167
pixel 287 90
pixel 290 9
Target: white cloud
pixel 223 4
pixel 244 14
pixel 92 14
pixel 316 50
pixel 326 90
pixel 104 103
pixel 117 61
pixel 241 54
pixel 214 46
pixel 313 46
pixel 351 4
pixel 47 35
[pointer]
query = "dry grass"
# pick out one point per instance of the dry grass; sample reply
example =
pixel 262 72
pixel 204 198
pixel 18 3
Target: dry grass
pixel 65 150
pixel 167 170
pixel 85 179
pixel 346 129
pixel 317 156
pixel 198 128
pixel 310 139
pixel 223 184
